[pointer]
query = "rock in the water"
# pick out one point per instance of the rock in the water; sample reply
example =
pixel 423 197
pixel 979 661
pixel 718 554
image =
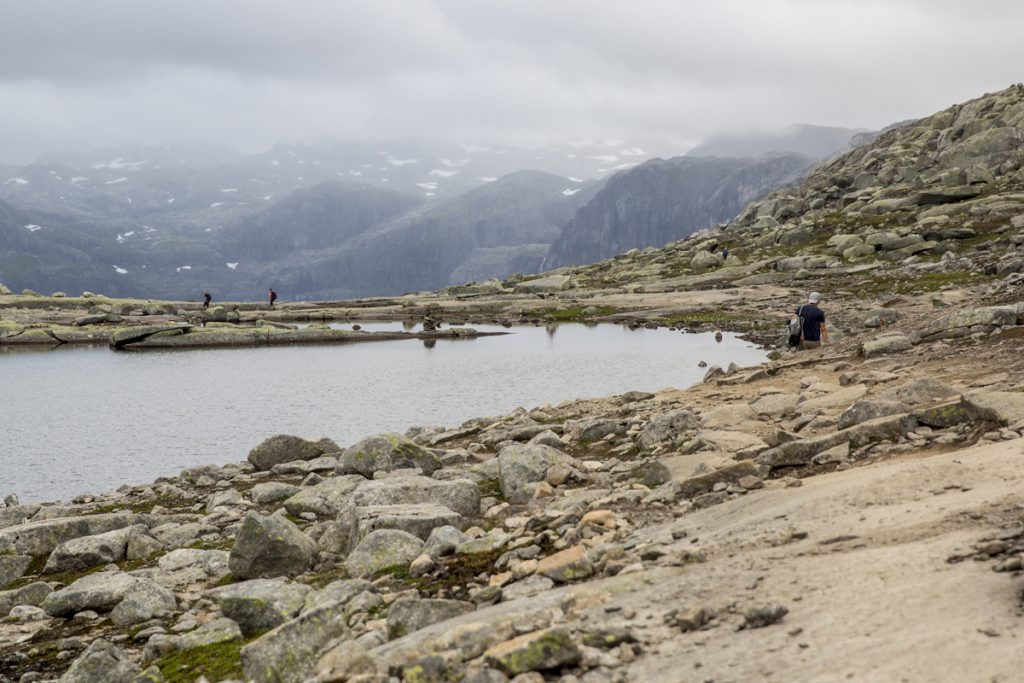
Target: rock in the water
pixel 407 615
pixel 386 452
pixel 537 651
pixel 289 653
pixel 520 465
pixel 460 495
pixel 285 448
pixel 260 604
pixel 268 547
pixel 383 549
pixel 102 662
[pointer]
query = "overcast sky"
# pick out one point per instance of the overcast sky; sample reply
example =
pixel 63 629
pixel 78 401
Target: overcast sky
pixel 80 75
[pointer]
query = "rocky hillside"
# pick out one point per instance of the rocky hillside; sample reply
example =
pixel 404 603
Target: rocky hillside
pixel 935 203
pixel 663 200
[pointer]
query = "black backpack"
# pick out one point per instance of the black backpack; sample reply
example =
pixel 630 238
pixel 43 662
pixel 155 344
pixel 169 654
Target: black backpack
pixel 796 328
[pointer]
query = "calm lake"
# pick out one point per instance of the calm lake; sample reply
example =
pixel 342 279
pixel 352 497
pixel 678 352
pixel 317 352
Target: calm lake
pixel 87 420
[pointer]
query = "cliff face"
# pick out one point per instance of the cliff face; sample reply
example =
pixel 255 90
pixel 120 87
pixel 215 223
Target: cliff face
pixel 664 200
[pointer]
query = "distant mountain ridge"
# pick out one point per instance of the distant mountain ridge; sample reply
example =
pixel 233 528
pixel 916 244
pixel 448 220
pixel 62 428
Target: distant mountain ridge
pixel 816 142
pixel 666 199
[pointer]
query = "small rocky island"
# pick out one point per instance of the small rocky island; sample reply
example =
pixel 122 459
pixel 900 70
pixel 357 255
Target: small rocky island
pixel 821 516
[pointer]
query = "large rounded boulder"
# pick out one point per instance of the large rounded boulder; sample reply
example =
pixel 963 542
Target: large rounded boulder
pixel 268 547
pixel 285 448
pixel 386 452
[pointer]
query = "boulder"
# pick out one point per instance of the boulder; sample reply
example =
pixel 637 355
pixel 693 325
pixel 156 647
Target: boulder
pixel 338 591
pixel 459 495
pixel 520 465
pixel 386 452
pixel 340 535
pixel 344 662
pixel 551 283
pixel 776 405
pixel 211 633
pixel 737 444
pixel 146 600
pixel 271 492
pixel 704 482
pixel 284 448
pixel 12 567
pixel 705 260
pixel 592 430
pixel 325 499
pixel 542 650
pixel 102 662
pixel 919 392
pixel 666 427
pixel 267 547
pixel 32 594
pixel 225 498
pixel 862 411
pixel 102 592
pixel 383 549
pixel 881 346
pixel 566 565
pixel 41 536
pixel 800 452
pixel 90 551
pixel 831 399
pixel 260 604
pixel 1001 407
pixel 418 519
pixel 289 652
pixel 411 614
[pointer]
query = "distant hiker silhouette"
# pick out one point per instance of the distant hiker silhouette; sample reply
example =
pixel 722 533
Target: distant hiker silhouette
pixel 273 297
pixel 206 299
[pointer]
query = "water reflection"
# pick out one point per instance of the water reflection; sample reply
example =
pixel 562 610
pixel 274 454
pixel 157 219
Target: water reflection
pixel 88 419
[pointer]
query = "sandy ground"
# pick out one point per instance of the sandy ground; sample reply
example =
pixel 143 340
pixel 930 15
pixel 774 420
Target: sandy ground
pixel 883 606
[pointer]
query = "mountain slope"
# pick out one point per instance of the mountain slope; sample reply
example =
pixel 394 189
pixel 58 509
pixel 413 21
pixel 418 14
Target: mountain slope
pixel 663 200
pixel 499 228
pixel 935 203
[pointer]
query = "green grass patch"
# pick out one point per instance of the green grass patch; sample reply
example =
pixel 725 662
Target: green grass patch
pixel 217 662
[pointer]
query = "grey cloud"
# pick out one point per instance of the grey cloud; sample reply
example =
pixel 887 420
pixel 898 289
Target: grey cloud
pixel 250 72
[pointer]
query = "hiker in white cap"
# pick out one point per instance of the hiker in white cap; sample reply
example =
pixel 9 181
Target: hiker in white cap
pixel 813 332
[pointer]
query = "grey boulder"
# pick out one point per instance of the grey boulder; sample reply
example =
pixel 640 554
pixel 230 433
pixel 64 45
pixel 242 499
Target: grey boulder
pixel 386 452
pixel 460 495
pixel 285 448
pixel 418 519
pixel 410 614
pixel 289 653
pixel 268 547
pixel 666 427
pixel 260 604
pixel 90 551
pixel 381 550
pixel 102 662
pixel 325 499
pixel 520 465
